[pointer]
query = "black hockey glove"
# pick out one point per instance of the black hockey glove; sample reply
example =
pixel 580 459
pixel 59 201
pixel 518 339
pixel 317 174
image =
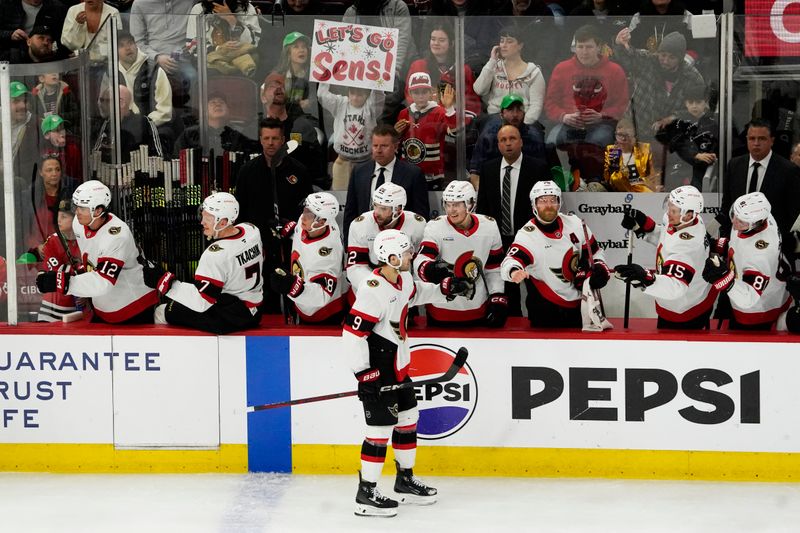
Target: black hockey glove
pixel 719 246
pixel 793 286
pixel 434 272
pixel 452 287
pixel 636 275
pixel 717 273
pixel 155 276
pixel 497 311
pixel 55 281
pixel 282 283
pixel 369 388
pixel 636 221
pixel 600 275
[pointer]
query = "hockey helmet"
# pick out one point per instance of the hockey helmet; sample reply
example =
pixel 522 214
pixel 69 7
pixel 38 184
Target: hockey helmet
pixel 460 191
pixel 324 205
pixel 687 198
pixel 391 242
pixel 221 205
pixel 751 209
pixel 91 195
pixel 390 195
pixel 544 188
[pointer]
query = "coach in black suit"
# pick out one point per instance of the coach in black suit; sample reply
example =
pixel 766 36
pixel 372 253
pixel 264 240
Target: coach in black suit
pixel 776 177
pixel 368 176
pixel 523 171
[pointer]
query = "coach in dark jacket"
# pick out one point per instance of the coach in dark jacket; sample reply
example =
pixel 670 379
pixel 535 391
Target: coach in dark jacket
pixel 367 177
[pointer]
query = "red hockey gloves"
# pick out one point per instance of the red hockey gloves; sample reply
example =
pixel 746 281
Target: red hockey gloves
pixel 452 287
pixel 369 388
pixel 155 276
pixel 496 311
pixel 717 273
pixel 433 272
pixel 636 275
pixel 636 221
pixel 55 281
pixel 282 283
pixel 600 275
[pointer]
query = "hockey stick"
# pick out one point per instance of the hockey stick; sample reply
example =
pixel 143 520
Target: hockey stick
pixel 627 209
pixel 595 292
pixel 458 363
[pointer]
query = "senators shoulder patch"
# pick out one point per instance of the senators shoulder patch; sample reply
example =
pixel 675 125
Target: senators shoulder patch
pixel 214 248
pixel 490 219
pixel 761 244
pixel 686 236
pixel 372 283
pixel 419 218
pixel 438 218
pixel 325 251
pixel 359 218
pixel 115 230
pixel 529 228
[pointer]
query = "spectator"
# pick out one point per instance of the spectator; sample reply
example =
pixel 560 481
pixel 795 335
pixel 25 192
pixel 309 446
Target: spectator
pixel 796 154
pixel 512 111
pixel 586 96
pixel 294 66
pixel 24 134
pixel 55 253
pixel 54 97
pixel 506 72
pixel 385 167
pixel 628 164
pixel 422 127
pixel 222 137
pixel 66 147
pixel 765 171
pixel 19 17
pixel 152 93
pixel 506 183
pixel 231 35
pixel 606 14
pixel 82 23
pixel 39 48
pixel 475 26
pixel 40 204
pixel 522 8
pixel 354 117
pixel 439 63
pixel 655 20
pixel 135 130
pixel 270 190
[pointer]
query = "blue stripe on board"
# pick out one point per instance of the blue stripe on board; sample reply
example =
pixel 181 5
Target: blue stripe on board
pixel 269 432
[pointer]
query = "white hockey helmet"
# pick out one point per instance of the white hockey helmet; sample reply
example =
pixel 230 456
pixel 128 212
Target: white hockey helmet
pixel 544 188
pixel 390 195
pixel 221 205
pixel 92 194
pixel 752 209
pixel 391 242
pixel 687 198
pixel 324 205
pixel 460 191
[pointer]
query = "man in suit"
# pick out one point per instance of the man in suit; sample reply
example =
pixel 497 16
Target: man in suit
pixel 385 167
pixel 765 171
pixel 506 183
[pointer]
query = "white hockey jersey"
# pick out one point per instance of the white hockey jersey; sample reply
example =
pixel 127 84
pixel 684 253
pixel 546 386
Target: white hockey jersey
pixel 361 259
pixel 381 308
pixel 479 249
pixel 552 258
pixel 231 265
pixel 319 262
pixel 113 277
pixel 680 291
pixel 759 293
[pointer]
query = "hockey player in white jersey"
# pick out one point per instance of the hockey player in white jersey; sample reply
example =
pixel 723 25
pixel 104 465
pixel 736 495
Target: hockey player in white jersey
pixel 227 287
pixel 110 274
pixel 550 254
pixel 388 212
pixel 315 282
pixel 751 270
pixel 683 298
pixel 469 246
pixel 377 344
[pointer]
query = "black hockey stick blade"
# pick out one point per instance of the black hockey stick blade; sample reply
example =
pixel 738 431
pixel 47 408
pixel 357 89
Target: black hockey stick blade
pixel 458 363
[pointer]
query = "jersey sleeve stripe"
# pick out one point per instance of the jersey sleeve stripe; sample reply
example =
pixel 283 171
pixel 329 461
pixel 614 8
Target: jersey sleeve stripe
pixel 429 249
pixel 495 258
pixel 212 281
pixel 106 271
pixel 683 273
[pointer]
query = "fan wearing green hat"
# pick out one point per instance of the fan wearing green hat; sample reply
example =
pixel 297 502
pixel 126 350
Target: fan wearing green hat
pixel 294 65
pixel 56 141
pixel 24 137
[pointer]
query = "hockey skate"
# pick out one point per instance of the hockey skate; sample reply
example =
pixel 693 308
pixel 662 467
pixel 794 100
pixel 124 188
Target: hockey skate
pixel 411 490
pixel 370 501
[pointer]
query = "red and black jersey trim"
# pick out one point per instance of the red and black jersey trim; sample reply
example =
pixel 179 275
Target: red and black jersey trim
pixel 359 324
pixel 209 288
pixel 109 268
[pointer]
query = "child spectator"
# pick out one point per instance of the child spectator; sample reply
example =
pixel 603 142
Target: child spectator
pixel 354 117
pixel 54 304
pixel 423 126
pixel 232 35
pixel 54 97
pixel 56 142
pixel 629 163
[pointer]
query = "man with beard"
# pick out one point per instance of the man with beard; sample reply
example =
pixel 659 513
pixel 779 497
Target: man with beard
pixel 18 18
pixel 24 137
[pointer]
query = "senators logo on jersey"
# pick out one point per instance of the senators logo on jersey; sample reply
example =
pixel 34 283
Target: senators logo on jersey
pixel 325 251
pixel 115 230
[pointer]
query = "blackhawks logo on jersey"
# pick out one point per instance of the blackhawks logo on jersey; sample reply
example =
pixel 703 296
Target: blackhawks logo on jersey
pixel 414 150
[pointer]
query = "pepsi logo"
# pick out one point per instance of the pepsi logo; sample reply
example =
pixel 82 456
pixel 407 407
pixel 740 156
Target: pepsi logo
pixel 444 408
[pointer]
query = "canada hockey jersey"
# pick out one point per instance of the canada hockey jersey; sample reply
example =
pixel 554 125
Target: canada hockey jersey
pixel 552 258
pixel 381 308
pixel 424 140
pixel 477 251
pixel 759 293
pixel 113 276
pixel 231 265
pixel 55 304
pixel 318 261
pixel 361 258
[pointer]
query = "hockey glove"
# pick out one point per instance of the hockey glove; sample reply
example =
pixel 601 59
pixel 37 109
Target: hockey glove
pixel 282 283
pixel 155 276
pixel 636 275
pixel 433 272
pixel 636 221
pixel 580 278
pixel 600 275
pixel 287 230
pixel 793 286
pixel 369 388
pixel 497 311
pixel 717 273
pixel 452 287
pixel 719 246
pixel 55 281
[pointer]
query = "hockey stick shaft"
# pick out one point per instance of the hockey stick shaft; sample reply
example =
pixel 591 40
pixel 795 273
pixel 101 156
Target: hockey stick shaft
pixel 590 257
pixel 458 363
pixel 627 313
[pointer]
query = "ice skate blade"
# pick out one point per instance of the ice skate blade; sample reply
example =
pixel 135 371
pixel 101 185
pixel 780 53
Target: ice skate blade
pixel 368 510
pixel 413 499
